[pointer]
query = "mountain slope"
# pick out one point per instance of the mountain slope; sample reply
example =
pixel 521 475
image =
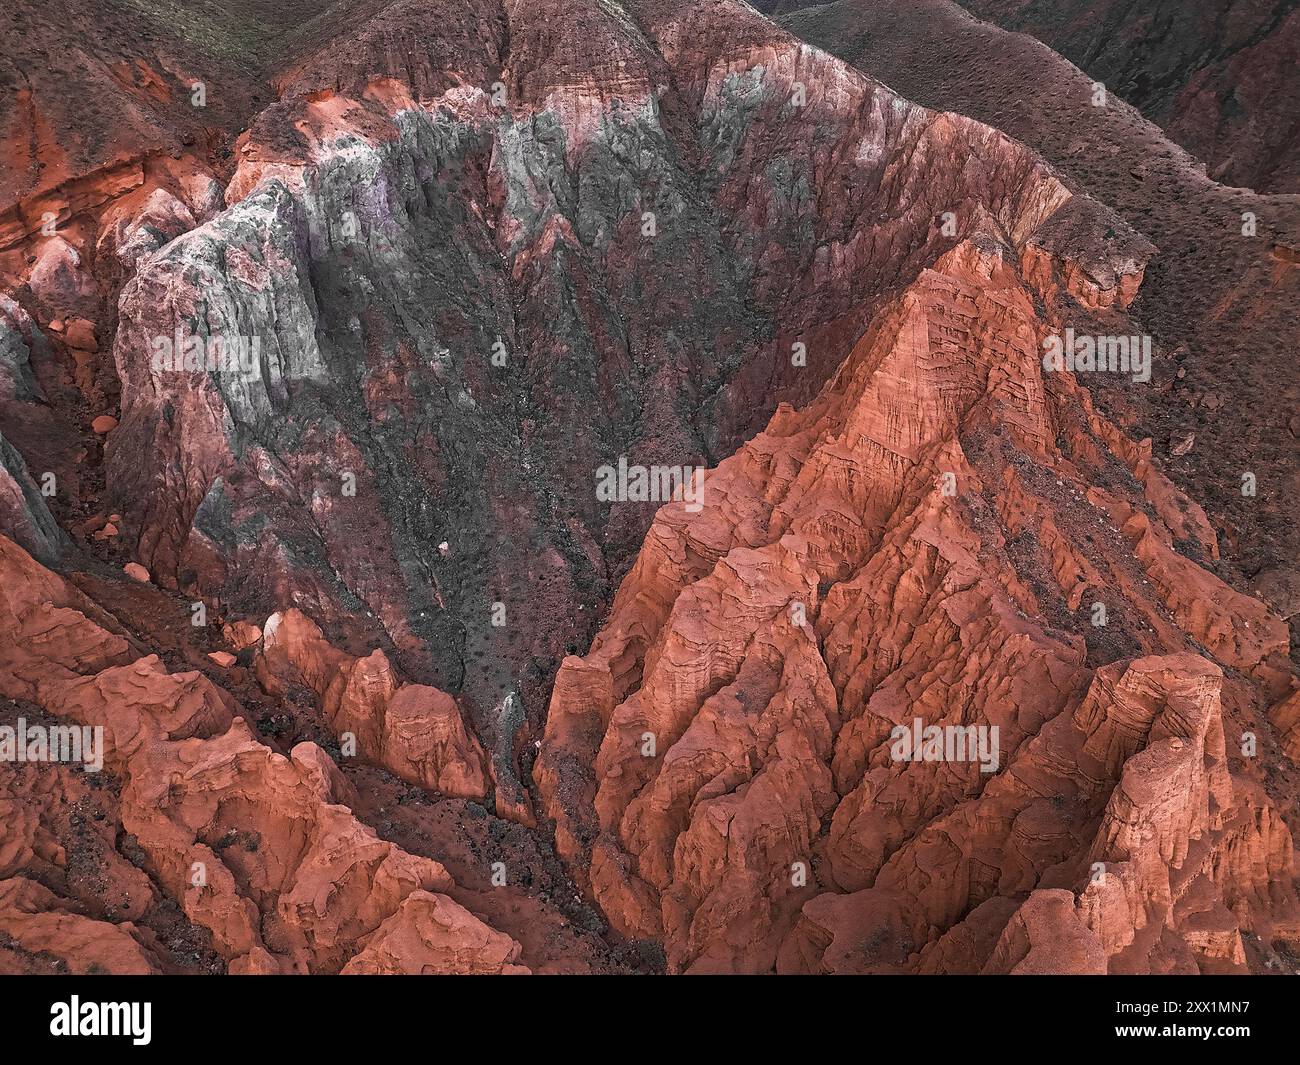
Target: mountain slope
pixel 309 412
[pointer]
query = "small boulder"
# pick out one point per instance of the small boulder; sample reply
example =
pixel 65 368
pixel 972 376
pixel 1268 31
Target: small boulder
pixel 104 424
pixel 137 572
pixel 241 634
pixel 81 334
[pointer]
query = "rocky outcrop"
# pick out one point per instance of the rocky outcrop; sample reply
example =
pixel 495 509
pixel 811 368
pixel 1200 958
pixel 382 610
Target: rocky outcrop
pixel 414 731
pixel 923 547
pixel 432 935
pixel 1219 283
pixel 23 513
pixel 259 849
pixel 34 921
pixel 263 854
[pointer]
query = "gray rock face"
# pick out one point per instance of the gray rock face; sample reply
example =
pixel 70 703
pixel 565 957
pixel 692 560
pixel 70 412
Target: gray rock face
pixel 17 334
pixel 24 517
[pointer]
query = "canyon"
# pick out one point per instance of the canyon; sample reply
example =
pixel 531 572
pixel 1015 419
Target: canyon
pixel 324 330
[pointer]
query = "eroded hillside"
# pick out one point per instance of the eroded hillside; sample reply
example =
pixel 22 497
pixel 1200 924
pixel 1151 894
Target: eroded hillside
pixel 306 399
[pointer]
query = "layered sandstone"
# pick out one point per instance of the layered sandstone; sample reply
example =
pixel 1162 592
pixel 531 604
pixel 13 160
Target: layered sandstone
pixel 722 760
pixel 261 850
pixel 413 730
pixel 1222 283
